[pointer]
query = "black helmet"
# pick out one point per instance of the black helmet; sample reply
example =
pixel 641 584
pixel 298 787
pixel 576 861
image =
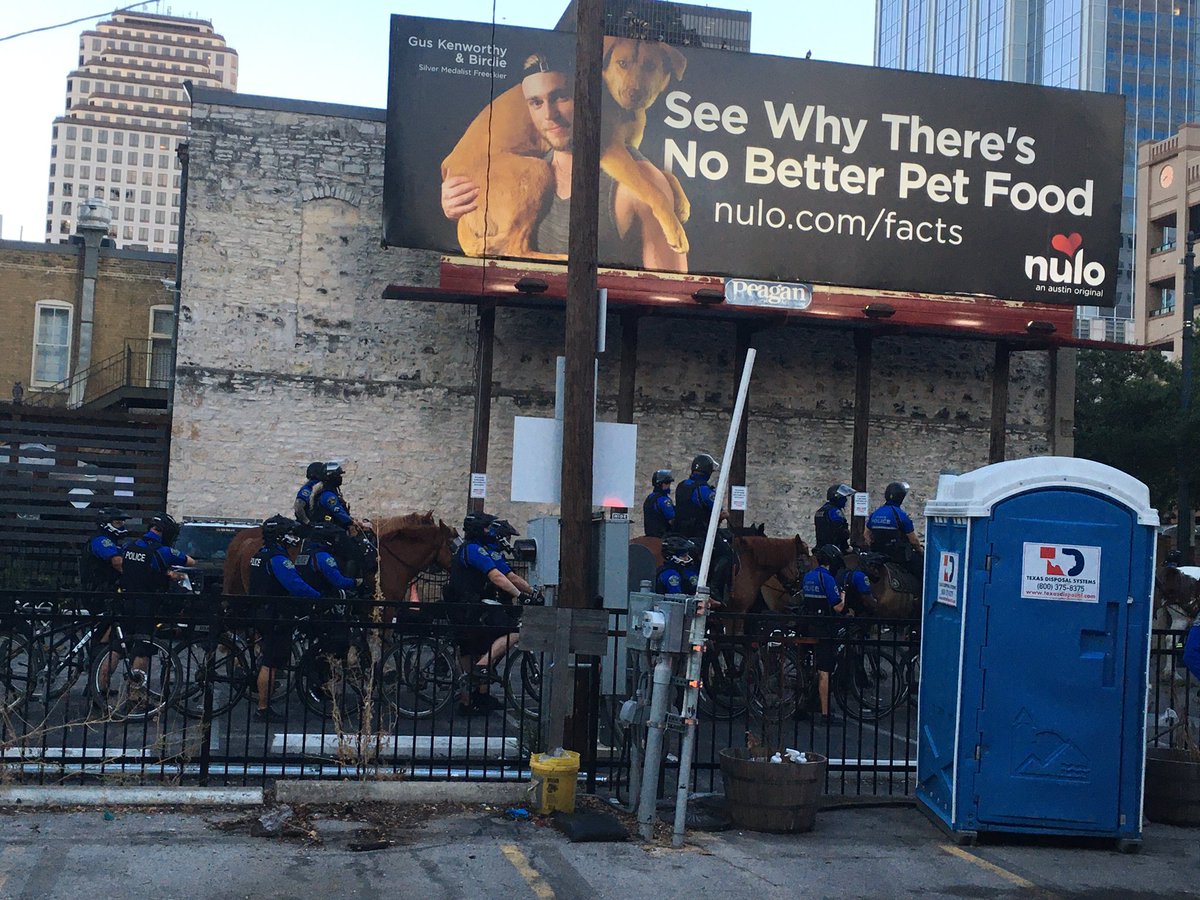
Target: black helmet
pixel 105 519
pixel 838 493
pixel 276 528
pixel 1175 559
pixel 332 474
pixel 661 476
pixel 500 528
pixel 167 527
pixel 677 548
pixel 830 555
pixel 314 471
pixel 896 492
pixel 704 463
pixel 476 524
pixel 325 533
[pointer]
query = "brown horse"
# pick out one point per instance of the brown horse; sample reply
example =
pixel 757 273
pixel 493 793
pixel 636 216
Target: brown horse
pixel 759 558
pixel 888 600
pixel 408 545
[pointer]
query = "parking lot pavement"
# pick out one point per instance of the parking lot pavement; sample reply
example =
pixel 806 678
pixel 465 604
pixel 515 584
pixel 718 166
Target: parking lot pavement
pixel 475 852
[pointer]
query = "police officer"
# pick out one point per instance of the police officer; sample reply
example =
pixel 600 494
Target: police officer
pixel 328 504
pixel 823 598
pixel 694 500
pixel 304 496
pixel 146 570
pixel 318 566
pixel 485 588
pixel 830 521
pixel 658 512
pixel 273 574
pixel 100 560
pixel 890 531
pixel 679 573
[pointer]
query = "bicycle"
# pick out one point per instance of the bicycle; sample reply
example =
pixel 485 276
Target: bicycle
pixel 123 692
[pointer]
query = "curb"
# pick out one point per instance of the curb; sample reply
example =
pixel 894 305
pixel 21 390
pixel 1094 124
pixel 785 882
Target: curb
pixel 129 796
pixel 497 792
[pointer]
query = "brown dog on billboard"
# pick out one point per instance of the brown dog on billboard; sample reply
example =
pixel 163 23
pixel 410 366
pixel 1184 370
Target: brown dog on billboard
pixel 530 156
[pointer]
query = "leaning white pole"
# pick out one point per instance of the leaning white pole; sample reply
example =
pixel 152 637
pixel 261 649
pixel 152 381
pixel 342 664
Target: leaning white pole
pixel 691 694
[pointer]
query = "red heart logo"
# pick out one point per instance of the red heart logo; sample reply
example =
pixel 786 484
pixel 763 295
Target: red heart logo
pixel 1067 244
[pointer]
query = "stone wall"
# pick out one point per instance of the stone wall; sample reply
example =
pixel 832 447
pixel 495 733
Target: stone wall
pixel 288 354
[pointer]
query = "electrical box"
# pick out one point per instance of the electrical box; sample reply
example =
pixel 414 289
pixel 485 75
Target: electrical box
pixel 1035 639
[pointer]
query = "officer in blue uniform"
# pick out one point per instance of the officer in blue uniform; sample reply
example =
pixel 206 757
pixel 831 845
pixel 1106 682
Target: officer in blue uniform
pixel 890 531
pixel 100 560
pixel 304 496
pixel 823 598
pixel 328 504
pixel 830 521
pixel 658 512
pixel 679 573
pixel 484 590
pixel 694 501
pixel 273 574
pixel 145 571
pixel 318 566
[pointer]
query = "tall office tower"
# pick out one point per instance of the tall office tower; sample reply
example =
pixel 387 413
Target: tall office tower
pixel 126 114
pixel 1145 49
pixel 686 24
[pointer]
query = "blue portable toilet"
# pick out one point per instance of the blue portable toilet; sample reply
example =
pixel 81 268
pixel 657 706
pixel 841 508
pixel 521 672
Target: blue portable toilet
pixel 1035 648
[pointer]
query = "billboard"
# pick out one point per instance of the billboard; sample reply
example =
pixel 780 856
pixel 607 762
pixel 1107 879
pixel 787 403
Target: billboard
pixel 762 168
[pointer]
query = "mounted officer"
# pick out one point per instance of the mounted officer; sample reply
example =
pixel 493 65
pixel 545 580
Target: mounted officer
pixel 694 501
pixel 273 574
pixel 679 573
pixel 318 565
pixel 100 559
pixel 485 591
pixel 658 512
pixel 328 504
pixel 304 496
pixel 890 532
pixel 830 521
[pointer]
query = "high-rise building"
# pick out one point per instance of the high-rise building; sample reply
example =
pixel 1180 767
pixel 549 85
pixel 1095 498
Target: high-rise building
pixel 126 113
pixel 1147 50
pixel 685 24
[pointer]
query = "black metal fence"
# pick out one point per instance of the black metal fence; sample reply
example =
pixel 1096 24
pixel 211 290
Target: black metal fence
pixel 382 696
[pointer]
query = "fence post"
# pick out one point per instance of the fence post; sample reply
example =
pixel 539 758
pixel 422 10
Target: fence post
pixel 210 653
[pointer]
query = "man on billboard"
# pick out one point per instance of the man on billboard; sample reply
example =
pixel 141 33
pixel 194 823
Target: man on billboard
pixel 548 91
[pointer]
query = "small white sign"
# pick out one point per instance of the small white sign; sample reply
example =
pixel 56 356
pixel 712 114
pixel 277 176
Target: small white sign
pixel 1060 572
pixel 81 492
pixel 862 503
pixel 947 592
pixel 479 485
pixel 737 496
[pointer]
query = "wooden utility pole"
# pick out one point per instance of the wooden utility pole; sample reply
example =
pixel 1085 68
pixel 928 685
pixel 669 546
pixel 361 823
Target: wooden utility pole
pixel 862 422
pixel 999 402
pixel 579 389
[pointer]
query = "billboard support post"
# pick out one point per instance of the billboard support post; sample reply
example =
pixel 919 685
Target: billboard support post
pixel 581 326
pixel 862 420
pixel 999 401
pixel 481 425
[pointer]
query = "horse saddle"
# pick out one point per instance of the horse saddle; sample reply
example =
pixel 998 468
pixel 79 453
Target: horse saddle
pixel 901 580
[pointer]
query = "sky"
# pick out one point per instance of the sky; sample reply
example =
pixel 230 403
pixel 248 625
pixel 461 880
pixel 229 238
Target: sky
pixel 305 50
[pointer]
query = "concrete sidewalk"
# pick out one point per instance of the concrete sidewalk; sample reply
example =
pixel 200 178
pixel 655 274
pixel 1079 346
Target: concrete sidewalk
pixel 475 852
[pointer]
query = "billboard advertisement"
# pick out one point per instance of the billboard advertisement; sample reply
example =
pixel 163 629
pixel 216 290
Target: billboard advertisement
pixel 762 168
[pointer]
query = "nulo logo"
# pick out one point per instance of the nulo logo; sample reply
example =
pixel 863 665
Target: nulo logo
pixel 1073 269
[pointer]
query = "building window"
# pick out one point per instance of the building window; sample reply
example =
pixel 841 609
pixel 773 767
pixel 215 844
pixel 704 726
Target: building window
pixel 51 343
pixel 66 208
pixel 1161 301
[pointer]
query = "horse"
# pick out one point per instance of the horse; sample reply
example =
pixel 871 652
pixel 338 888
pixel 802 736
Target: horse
pixel 407 545
pixel 889 597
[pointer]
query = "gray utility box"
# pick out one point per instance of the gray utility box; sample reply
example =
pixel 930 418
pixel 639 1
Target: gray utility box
pixel 676 611
pixel 610 549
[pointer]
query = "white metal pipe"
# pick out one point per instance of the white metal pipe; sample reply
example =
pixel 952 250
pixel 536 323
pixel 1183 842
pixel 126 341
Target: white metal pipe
pixel 657 725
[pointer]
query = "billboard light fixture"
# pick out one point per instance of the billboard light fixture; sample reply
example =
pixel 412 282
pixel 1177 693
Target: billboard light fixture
pixel 1040 326
pixel 531 285
pixel 879 310
pixel 709 295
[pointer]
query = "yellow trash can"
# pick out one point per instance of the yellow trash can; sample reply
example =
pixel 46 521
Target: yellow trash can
pixel 554 778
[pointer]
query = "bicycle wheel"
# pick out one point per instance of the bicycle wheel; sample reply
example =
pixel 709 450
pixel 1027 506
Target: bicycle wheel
pixel 869 684
pixel 722 689
pixel 772 679
pixel 523 683
pixel 326 689
pixel 230 674
pixel 64 659
pixel 124 693
pixel 420 676
pixel 19 669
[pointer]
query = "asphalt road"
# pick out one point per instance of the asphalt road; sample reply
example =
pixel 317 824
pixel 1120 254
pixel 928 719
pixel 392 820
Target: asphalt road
pixel 475 852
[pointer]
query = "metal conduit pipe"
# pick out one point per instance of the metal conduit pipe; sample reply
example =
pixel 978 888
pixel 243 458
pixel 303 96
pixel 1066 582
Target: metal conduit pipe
pixel 659 700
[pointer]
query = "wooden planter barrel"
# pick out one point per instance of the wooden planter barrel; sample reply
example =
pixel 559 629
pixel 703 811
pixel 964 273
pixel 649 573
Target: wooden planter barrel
pixel 1172 786
pixel 766 796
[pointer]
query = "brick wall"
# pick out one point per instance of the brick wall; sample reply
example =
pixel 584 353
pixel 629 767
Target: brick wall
pixel 288 354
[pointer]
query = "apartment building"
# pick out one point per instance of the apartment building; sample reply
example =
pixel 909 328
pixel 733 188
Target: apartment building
pixel 126 115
